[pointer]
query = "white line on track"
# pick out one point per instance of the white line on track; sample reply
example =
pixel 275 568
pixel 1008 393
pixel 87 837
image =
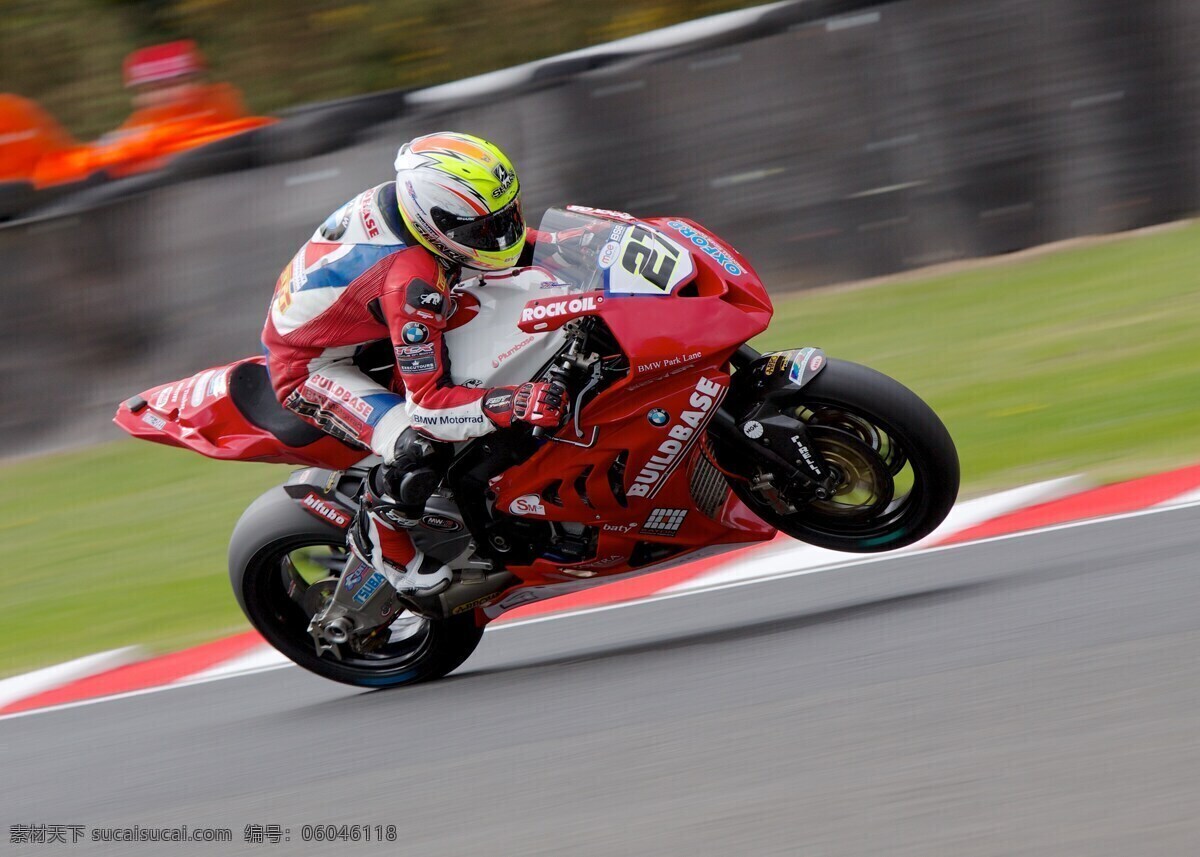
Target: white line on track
pixel 1094 100
pixel 618 88
pixel 715 62
pixel 849 21
pixel 743 178
pixel 318 175
pixel 666 596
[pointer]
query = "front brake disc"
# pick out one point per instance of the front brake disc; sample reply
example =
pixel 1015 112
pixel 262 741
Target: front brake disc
pixel 865 487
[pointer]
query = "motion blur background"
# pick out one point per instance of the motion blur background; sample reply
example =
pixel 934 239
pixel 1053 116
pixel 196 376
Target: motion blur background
pixel 1028 696
pixel 829 141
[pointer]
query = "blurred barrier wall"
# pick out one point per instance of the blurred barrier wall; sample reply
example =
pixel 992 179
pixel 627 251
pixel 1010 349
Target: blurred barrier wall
pixel 892 136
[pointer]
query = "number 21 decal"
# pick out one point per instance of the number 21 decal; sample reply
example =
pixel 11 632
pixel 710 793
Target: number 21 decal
pixel 650 264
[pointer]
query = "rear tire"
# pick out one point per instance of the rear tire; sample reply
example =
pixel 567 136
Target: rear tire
pixel 272 529
pixel 857 415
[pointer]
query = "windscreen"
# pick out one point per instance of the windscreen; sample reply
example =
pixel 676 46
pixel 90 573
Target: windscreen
pixel 621 258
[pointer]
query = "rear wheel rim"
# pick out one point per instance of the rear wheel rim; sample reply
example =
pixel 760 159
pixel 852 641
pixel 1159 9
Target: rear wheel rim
pixel 289 572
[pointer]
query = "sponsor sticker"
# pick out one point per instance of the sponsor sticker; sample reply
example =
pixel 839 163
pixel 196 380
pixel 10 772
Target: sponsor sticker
pixel 369 588
pixel 603 212
pixel 799 362
pixel 606 562
pixel 505 178
pixel 335 225
pixel 471 605
pixel 498 402
pixel 608 254
pixel 669 362
pixel 707 245
pixel 325 511
pixel 353 578
pixel 538 310
pixel 200 388
pixel 753 429
pixel 523 596
pixel 500 358
pixel 442 523
pixel 807 455
pixel 337 392
pixel 417 365
pixel 664 522
pixel 153 420
pixel 399 520
pixel 683 433
pixel 405 351
pixel 434 420
pixel 368 216
pixel 658 417
pixel 219 384
pixel 527 504
pixel 414 333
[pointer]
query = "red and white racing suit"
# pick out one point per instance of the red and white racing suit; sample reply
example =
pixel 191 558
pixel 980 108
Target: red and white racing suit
pixel 360 279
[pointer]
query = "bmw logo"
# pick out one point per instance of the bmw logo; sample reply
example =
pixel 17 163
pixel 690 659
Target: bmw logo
pixel 658 417
pixel 414 333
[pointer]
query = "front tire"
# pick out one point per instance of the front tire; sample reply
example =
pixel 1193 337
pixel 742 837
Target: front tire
pixel 272 543
pixel 899 466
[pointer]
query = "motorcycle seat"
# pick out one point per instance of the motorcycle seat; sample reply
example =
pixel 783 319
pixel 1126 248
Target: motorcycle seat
pixel 251 392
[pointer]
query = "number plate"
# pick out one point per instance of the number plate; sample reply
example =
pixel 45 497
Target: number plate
pixel 643 261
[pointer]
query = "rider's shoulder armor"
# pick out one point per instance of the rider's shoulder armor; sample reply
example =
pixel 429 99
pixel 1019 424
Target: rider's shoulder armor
pixel 372 217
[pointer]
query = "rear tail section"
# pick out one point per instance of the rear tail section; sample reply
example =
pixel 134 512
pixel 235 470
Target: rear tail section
pixel 230 413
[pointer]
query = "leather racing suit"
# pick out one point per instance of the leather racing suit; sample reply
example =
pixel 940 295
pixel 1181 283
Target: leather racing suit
pixel 360 280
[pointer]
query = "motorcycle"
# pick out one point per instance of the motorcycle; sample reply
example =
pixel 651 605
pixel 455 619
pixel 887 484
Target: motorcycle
pixel 681 441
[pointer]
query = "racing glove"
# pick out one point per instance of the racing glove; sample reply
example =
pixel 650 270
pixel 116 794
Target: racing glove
pixel 538 403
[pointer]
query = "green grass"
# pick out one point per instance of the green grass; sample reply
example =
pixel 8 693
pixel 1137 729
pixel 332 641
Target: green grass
pixel 123 543
pixel 1082 360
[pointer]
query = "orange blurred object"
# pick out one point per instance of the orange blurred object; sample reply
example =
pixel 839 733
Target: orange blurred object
pixel 175 111
pixel 27 134
pixel 177 117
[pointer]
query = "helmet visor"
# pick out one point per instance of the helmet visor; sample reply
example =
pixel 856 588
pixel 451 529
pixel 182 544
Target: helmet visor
pixel 496 231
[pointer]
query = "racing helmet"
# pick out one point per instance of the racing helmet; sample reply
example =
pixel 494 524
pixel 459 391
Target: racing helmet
pixel 459 196
pixel 164 63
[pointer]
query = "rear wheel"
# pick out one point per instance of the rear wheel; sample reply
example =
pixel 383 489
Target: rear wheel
pixel 284 564
pixel 896 467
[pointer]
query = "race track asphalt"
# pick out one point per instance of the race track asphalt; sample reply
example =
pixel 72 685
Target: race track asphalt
pixel 1034 695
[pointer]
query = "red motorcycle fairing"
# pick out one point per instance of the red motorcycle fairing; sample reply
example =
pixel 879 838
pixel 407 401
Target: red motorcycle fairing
pixel 230 412
pixel 633 474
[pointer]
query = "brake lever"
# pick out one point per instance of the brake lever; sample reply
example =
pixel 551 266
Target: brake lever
pixel 597 371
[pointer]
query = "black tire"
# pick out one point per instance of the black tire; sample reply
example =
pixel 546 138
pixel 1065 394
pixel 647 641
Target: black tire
pixel 915 442
pixel 273 527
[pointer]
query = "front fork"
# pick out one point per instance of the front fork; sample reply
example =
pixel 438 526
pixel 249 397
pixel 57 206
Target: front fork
pixel 781 441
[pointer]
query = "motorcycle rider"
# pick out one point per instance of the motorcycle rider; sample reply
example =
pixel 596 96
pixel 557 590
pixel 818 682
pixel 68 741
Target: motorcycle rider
pixel 381 268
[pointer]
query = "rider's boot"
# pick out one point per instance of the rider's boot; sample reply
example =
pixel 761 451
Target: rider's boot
pixel 392 553
pixel 379 538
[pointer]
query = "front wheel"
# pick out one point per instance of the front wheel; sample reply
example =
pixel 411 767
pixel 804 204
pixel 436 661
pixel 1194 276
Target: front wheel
pixel 283 564
pixel 896 466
